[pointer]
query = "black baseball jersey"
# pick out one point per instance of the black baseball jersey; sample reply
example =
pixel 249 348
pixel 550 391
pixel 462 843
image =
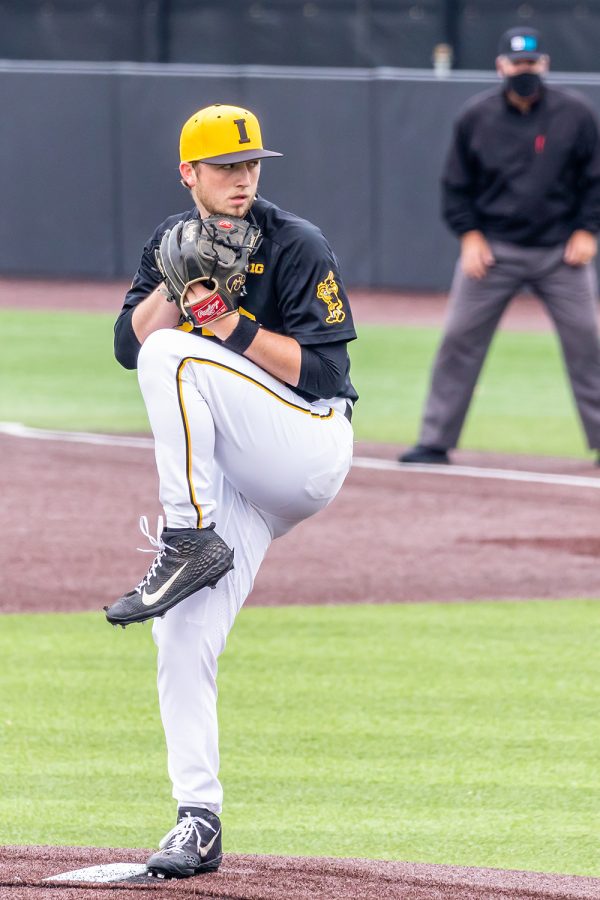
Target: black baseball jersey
pixel 293 287
pixel 531 179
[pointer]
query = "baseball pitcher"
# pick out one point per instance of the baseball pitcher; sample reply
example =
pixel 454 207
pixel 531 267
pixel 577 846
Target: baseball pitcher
pixel 238 323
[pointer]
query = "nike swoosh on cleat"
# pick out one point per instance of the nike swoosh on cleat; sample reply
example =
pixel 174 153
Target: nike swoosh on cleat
pixel 151 599
pixel 204 850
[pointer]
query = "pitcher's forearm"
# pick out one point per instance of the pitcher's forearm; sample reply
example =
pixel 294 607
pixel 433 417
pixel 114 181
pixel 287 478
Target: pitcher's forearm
pixel 277 354
pixel 153 313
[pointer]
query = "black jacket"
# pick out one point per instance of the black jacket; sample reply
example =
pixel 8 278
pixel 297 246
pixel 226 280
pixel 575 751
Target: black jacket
pixel 531 179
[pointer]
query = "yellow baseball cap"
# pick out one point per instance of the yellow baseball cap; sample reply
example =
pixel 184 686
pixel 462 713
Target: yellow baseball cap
pixel 222 134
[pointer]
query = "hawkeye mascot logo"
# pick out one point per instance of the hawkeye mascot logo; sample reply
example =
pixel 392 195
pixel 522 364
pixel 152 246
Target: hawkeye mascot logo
pixel 235 282
pixel 328 292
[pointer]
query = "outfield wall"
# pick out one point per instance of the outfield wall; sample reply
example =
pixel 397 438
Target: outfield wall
pixel 88 160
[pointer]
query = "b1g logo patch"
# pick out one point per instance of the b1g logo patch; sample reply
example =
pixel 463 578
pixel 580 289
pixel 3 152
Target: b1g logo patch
pixel 235 283
pixel 328 292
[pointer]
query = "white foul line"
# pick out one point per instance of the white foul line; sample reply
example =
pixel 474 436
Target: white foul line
pixel 474 472
pixel 15 429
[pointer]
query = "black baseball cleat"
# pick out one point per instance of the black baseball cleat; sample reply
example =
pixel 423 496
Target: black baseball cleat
pixel 424 454
pixel 187 560
pixel 192 847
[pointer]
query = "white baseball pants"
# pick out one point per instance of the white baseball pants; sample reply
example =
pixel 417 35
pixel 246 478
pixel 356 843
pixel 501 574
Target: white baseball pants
pixel 234 446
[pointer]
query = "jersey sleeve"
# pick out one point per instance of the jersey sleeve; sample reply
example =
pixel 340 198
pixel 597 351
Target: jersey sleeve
pixel 147 277
pixel 144 282
pixel 312 300
pixel 325 371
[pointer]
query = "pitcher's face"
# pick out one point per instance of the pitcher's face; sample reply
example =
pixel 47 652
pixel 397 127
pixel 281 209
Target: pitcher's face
pixel 227 189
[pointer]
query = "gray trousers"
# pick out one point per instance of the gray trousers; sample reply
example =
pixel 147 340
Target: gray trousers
pixel 475 308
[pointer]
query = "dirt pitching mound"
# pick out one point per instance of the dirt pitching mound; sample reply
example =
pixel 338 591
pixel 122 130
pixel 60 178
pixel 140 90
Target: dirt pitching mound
pixel 24 870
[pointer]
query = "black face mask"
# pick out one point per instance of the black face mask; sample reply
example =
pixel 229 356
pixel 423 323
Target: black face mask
pixel 526 84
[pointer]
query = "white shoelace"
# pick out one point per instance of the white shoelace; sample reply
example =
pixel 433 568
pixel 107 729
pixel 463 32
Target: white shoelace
pixel 186 829
pixel 157 544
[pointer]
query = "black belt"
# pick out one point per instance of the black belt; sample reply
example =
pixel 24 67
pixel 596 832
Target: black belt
pixel 348 411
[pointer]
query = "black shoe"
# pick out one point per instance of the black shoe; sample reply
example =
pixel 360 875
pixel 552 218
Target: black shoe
pixel 192 847
pixel 424 454
pixel 186 561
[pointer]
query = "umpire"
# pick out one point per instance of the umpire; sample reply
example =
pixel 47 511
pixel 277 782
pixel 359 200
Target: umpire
pixel 521 189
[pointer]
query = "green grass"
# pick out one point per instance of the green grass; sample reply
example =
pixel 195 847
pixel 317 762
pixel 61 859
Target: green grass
pixel 458 734
pixel 522 403
pixel 57 370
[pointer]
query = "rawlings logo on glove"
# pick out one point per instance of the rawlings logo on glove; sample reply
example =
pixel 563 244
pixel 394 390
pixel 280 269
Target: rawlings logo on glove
pixel 207 310
pixel 213 252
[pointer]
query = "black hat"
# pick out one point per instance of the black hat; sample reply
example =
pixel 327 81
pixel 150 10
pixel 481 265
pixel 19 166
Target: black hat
pixel 521 43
